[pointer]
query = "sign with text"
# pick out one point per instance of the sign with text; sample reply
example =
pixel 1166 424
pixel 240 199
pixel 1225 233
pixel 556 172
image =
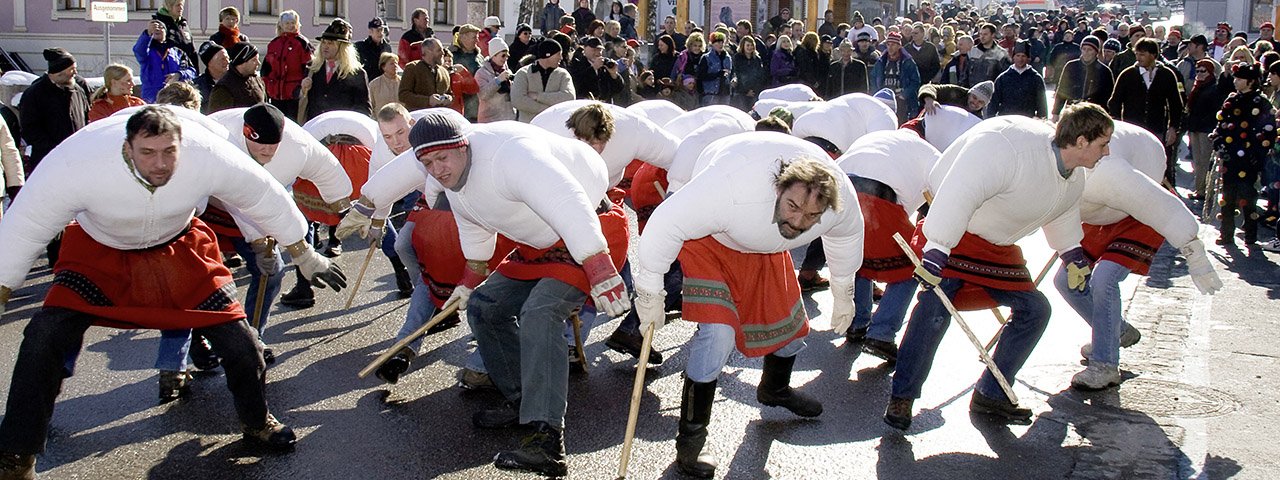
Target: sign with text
pixel 114 12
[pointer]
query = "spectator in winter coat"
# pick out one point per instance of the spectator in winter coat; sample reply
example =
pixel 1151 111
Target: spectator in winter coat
pixel 958 70
pixel 1146 94
pixel 161 61
pixel 897 72
pixel 924 53
pixel 176 33
pixel 494 79
pixel 1020 89
pixel 542 83
pixel 549 20
pixel 782 67
pixel 1203 102
pixel 628 22
pixel 240 86
pixel 583 16
pixel 519 46
pixel 663 63
pixel 462 84
pixel 1084 79
pixel 750 75
pixel 713 72
pixel 385 88
pixel 55 106
pixel 990 59
pixel 492 29
pixel 864 50
pixel 594 76
pixel 371 49
pixel 337 80
pixel 845 75
pixel 1242 140
pixel 1062 53
pixel 687 61
pixel 216 63
pixel 286 64
pixel 425 82
pixel 115 94
pixel 228 33
pixel 806 59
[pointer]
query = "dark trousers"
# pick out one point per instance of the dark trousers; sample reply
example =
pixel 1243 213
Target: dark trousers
pixel 814 256
pixel 54 333
pixel 1240 194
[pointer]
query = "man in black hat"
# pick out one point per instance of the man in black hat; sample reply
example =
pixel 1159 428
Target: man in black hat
pixel 1084 79
pixel 216 63
pixel 372 48
pixel 542 83
pixel 339 81
pixel 1020 88
pixel 520 46
pixel 240 86
pixel 594 76
pixel 55 106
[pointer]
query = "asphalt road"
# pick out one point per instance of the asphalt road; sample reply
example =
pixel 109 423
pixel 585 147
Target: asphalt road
pixel 1190 407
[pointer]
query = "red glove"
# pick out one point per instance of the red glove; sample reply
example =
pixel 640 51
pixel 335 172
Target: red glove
pixel 607 289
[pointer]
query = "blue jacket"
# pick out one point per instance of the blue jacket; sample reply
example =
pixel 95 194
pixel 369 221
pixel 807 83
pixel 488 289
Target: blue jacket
pixel 157 62
pixel 712 70
pixel 908 80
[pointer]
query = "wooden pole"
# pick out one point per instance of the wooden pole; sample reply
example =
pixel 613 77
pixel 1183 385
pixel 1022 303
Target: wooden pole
pixel 391 352
pixel 262 289
pixel 373 245
pixel 636 389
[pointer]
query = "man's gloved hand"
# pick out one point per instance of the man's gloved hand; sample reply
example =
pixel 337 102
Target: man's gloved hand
pixel 651 307
pixel 264 253
pixel 359 220
pixel 317 269
pixel 1201 270
pixel 1079 270
pixel 607 290
pixel 472 276
pixel 4 298
pixel 929 272
pixel 841 305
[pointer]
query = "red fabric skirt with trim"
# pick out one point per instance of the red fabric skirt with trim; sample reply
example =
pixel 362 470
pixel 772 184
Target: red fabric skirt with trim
pixel 755 293
pixel 176 285
pixel 883 260
pixel 355 161
pixel 1128 242
pixel 440 259
pixel 645 196
pixel 981 264
pixel 528 263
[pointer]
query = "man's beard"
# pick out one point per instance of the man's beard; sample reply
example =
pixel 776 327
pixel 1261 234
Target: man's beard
pixel 783 225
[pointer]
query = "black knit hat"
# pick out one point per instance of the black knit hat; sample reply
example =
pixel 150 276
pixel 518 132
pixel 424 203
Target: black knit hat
pixel 208 50
pixel 436 132
pixel 338 30
pixel 263 123
pixel 242 52
pixel 59 59
pixel 1092 41
pixel 545 49
pixel 523 27
pixel 1021 46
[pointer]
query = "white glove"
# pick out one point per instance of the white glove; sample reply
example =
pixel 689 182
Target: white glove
pixel 358 221
pixel 841 305
pixel 651 307
pixel 4 298
pixel 462 295
pixel 1201 270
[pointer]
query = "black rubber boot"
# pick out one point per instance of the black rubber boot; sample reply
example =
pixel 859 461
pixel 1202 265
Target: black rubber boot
pixel 201 355
pixel 404 283
pixel 541 452
pixel 691 438
pixel 775 388
pixel 301 296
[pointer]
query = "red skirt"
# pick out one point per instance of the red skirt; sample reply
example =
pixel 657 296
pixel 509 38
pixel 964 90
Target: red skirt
pixel 177 285
pixel 755 293
pixel 883 260
pixel 355 161
pixel 435 241
pixel 645 197
pixel 981 264
pixel 528 263
pixel 1127 242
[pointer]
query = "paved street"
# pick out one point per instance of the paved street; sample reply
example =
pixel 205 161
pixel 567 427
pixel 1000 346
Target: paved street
pixel 1198 401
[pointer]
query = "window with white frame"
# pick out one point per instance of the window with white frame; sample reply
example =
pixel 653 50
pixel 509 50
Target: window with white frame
pixel 393 10
pixel 440 11
pixel 71 5
pixel 146 5
pixel 260 7
pixel 330 8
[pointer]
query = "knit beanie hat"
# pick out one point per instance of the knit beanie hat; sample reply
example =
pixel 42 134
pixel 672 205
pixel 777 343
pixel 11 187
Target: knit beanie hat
pixel 497 44
pixel 263 123
pixel 208 50
pixel 241 52
pixel 781 113
pixel 1112 44
pixel 436 132
pixel 545 49
pixel 1091 41
pixel 59 59
pixel 984 90
pixel 886 96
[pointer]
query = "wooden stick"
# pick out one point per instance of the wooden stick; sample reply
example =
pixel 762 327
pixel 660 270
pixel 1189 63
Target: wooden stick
pixel 262 291
pixel 391 352
pixel 999 316
pixel 577 340
pixel 946 302
pixel 373 245
pixel 636 389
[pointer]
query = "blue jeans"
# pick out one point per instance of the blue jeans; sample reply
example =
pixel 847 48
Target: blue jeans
pixel 420 306
pixel 710 348
pixel 886 322
pixel 672 282
pixel 1100 308
pixel 174 344
pixel 929 321
pixel 589 318
pixel 519 329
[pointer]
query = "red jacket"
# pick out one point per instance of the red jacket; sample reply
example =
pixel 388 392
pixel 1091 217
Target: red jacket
pixel 286 65
pixel 462 83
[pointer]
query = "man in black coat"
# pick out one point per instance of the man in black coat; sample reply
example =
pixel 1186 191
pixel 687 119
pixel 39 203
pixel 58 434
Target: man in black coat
pixel 1146 95
pixel 371 49
pixel 55 106
pixel 1019 90
pixel 846 75
pixel 176 32
pixel 593 75
pixel 1084 79
pixel 338 84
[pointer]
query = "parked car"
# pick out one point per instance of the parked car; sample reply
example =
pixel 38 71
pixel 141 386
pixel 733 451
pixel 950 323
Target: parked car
pixel 1155 8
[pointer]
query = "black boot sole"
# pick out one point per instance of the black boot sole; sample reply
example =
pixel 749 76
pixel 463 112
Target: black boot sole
pixel 899 423
pixel 694 471
pixel 655 358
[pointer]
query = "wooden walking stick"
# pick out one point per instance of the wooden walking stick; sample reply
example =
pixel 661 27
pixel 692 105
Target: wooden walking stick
pixel 448 309
pixel 999 316
pixel 636 389
pixel 946 302
pixel 355 288
pixel 262 290
pixel 577 341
